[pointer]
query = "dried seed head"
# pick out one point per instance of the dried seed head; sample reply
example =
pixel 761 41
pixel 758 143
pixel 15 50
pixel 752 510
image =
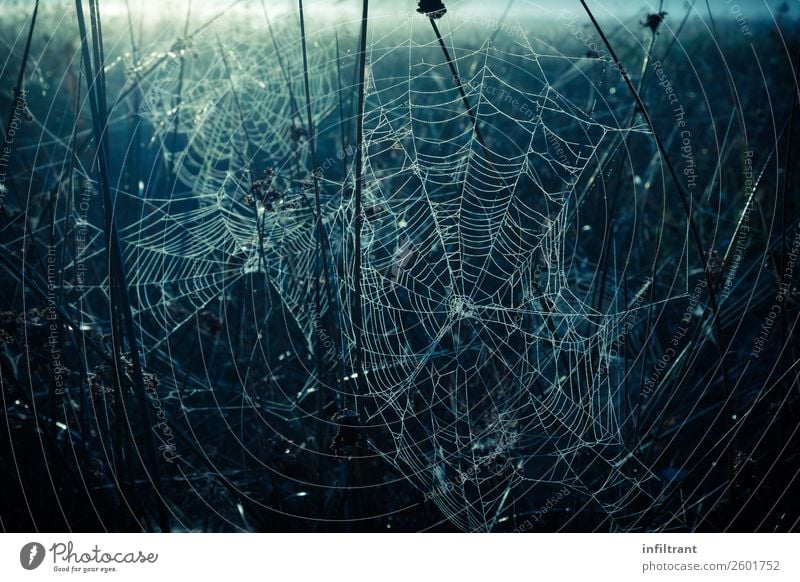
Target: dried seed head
pixel 348 422
pixel 431 8
pixel 653 21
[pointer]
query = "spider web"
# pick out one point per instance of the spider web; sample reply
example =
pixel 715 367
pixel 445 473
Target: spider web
pixel 487 373
pixel 477 344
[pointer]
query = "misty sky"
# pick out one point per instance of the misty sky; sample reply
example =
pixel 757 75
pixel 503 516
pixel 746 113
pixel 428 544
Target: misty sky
pixel 388 11
pixel 751 8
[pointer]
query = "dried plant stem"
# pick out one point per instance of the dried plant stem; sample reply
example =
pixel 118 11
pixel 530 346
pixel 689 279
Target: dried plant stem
pixel 295 118
pixel 322 266
pixel 684 200
pixel 120 300
pixel 178 101
pixel 358 217
pixel 21 77
pixel 341 109
pixel 460 86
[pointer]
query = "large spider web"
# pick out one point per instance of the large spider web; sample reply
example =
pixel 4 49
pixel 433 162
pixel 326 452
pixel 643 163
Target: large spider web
pixel 487 374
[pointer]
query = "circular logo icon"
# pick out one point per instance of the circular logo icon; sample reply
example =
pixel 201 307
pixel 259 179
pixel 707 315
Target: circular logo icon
pixel 31 555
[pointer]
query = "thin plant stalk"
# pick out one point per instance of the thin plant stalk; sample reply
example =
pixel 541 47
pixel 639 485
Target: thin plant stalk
pixel 322 267
pixel 358 211
pixel 120 298
pixel 341 109
pixel 21 76
pixel 295 115
pixel 610 219
pixel 460 86
pixel 179 101
pixel 684 199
